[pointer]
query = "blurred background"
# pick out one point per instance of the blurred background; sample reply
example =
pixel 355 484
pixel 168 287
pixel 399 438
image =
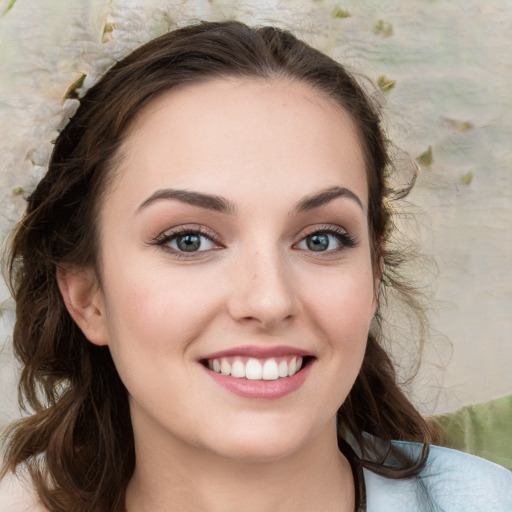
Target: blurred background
pixel 444 70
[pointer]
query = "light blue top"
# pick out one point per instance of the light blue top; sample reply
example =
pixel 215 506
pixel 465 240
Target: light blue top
pixel 452 481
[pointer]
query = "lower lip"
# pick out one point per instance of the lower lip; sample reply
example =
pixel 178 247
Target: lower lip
pixel 262 389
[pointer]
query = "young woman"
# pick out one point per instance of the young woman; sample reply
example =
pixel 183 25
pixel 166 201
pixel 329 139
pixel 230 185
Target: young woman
pixel 198 279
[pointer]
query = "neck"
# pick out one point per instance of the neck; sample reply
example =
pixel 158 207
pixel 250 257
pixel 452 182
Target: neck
pixel 316 477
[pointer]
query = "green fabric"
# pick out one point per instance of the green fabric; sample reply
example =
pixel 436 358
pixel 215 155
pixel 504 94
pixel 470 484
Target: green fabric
pixel 483 429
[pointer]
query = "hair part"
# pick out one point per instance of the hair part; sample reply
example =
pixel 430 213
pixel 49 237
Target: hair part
pixel 78 444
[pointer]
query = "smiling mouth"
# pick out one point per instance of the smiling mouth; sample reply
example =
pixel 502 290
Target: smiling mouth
pixel 251 368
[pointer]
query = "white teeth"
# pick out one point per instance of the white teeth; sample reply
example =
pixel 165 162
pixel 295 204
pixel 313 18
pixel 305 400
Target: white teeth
pixel 292 367
pixel 225 367
pixel 238 369
pixel 255 369
pixel 270 371
pixel 283 369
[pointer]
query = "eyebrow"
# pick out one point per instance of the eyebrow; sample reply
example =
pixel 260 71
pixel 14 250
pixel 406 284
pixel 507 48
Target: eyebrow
pixel 208 201
pixel 323 197
pixel 223 205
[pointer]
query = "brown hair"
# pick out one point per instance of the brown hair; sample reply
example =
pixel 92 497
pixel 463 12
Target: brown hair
pixel 78 443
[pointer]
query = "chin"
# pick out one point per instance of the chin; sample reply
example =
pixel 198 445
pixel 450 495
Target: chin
pixel 263 441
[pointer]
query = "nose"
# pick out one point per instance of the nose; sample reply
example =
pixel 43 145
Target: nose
pixel 263 292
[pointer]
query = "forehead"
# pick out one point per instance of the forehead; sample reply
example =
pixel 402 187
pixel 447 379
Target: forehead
pixel 239 136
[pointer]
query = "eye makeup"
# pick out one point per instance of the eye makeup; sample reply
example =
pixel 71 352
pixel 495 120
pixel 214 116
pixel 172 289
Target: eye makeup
pixel 188 241
pixel 195 241
pixel 319 238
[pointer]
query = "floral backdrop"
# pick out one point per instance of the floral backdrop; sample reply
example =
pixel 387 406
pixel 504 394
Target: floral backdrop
pixel 444 69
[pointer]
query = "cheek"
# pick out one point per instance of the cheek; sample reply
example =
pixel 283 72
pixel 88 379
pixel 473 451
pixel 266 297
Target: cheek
pixel 150 327
pixel 341 308
pixel 343 298
pixel 155 311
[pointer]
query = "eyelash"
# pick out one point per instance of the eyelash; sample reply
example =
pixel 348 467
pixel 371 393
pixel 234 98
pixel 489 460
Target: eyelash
pixel 346 240
pixel 168 237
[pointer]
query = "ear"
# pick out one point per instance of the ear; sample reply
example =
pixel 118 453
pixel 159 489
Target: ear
pixel 84 301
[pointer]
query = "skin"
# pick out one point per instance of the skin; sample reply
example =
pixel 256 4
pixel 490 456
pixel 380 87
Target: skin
pixel 264 147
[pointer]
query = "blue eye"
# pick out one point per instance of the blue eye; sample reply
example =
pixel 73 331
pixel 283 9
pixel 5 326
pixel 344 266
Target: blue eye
pixel 318 242
pixel 326 241
pixel 187 242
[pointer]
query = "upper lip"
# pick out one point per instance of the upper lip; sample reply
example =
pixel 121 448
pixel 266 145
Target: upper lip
pixel 260 352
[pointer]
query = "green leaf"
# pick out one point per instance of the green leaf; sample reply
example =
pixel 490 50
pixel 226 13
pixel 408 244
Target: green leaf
pixel 385 83
pixel 340 13
pixel 426 158
pixel 17 191
pixel 482 429
pixel 460 126
pixel 72 92
pixel 467 178
pixel 383 28
pixel 9 7
pixel 107 32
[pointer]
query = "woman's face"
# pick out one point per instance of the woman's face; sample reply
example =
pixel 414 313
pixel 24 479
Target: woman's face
pixel 234 240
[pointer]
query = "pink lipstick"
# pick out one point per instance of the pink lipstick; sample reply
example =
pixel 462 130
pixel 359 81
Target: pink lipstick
pixel 259 372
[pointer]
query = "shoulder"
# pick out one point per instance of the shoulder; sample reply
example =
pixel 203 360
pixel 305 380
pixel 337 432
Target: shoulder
pixel 451 481
pixel 17 494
